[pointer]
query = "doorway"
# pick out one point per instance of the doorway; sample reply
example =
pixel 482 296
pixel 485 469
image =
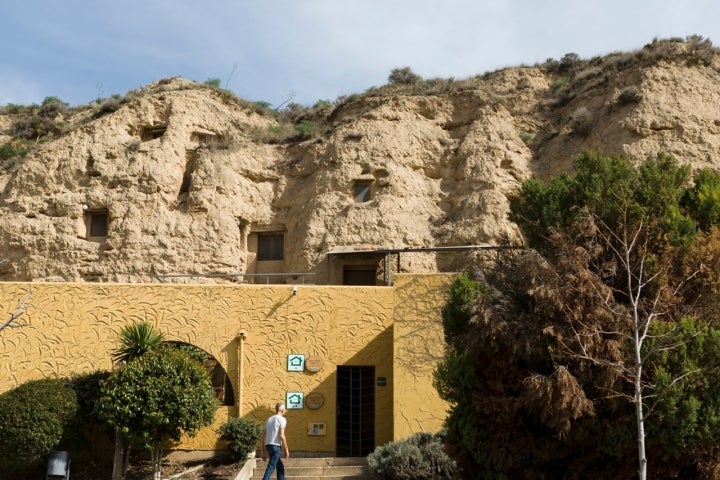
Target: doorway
pixel 359 275
pixel 355 411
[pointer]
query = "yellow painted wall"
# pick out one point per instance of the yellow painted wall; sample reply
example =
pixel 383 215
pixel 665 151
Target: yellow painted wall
pixel 419 344
pixel 73 328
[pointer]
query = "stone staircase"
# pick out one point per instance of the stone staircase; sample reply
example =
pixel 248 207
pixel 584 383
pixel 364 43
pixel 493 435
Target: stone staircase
pixel 330 468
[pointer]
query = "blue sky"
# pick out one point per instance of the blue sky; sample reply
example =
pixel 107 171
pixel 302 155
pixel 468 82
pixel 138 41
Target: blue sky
pixel 270 50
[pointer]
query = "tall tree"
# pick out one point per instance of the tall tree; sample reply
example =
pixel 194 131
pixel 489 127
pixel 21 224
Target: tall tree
pixel 558 342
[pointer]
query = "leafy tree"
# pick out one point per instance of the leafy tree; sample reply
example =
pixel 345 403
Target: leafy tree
pixel 619 307
pixel 456 314
pixel 157 398
pixel 135 340
pixel 704 198
pixel 34 418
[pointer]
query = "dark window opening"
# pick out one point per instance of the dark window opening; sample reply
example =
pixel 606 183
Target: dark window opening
pixel 270 246
pixel 151 133
pixel 359 275
pixel 185 185
pixel 191 158
pixel 97 223
pixel 361 191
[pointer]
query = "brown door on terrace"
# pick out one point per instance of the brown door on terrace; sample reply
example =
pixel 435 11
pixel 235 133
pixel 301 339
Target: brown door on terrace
pixel 355 411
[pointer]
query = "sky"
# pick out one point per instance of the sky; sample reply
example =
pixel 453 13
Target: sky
pixel 308 50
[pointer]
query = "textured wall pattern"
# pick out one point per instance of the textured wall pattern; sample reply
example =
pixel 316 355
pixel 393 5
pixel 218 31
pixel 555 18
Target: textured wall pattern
pixel 72 328
pixel 419 344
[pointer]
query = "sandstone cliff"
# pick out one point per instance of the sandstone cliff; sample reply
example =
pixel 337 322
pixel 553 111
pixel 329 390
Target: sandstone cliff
pixel 181 178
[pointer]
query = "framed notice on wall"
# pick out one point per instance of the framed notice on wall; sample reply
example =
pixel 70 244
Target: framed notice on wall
pixel 295 362
pixel 294 400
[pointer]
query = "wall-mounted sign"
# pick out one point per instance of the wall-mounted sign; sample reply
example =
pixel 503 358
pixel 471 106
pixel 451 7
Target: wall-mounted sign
pixel 294 400
pixel 314 400
pixel 313 363
pixel 316 429
pixel 295 362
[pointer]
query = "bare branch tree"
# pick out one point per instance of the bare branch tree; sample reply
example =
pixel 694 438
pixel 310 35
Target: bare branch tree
pixel 12 321
pixel 646 300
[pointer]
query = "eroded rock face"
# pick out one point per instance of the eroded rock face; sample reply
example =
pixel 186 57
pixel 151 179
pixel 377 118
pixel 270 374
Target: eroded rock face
pixel 174 182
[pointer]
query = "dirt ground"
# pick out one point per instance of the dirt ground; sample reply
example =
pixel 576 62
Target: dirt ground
pixel 191 466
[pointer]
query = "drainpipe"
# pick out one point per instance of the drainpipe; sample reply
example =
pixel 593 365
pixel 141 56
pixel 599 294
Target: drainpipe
pixel 240 337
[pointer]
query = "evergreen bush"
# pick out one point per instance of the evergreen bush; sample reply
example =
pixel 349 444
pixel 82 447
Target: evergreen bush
pixel 241 435
pixel 418 457
pixel 34 418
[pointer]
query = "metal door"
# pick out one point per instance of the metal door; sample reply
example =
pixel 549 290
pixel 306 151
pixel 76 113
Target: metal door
pixel 355 411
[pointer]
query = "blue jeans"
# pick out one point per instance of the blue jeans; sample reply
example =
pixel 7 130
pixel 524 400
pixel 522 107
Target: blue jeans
pixel 274 453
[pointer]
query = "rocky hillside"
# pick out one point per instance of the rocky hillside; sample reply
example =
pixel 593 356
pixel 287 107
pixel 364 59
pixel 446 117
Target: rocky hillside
pixel 184 178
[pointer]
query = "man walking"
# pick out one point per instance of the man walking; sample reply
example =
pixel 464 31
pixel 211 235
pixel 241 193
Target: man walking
pixel 272 441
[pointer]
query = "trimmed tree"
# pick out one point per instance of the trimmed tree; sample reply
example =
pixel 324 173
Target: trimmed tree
pixel 157 398
pixel 135 340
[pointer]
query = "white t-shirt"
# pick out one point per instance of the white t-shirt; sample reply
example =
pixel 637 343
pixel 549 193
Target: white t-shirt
pixel 272 430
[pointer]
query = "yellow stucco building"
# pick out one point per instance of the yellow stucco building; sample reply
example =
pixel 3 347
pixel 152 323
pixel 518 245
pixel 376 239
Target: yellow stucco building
pixel 354 364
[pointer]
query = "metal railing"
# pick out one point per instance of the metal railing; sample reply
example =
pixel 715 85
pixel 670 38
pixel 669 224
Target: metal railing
pixel 267 276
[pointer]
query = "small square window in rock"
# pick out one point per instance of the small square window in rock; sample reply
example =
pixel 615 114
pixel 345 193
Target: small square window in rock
pixel 96 223
pixel 153 132
pixel 270 246
pixel 362 191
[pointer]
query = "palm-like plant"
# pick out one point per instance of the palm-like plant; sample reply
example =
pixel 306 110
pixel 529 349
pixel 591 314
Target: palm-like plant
pixel 136 340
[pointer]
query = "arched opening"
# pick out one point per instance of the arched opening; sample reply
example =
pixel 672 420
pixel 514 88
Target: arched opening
pixel 218 375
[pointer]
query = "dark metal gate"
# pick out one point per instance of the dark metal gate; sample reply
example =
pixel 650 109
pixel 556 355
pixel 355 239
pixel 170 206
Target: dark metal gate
pixel 355 411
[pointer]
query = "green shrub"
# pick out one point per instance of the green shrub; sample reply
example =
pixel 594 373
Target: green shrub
pixel 527 138
pixel 9 150
pixel 419 457
pixel 87 390
pixel 241 435
pixel 306 129
pixel 558 84
pixel 35 127
pixel 403 76
pixel 111 104
pixel 34 418
pixel 12 109
pixel 582 121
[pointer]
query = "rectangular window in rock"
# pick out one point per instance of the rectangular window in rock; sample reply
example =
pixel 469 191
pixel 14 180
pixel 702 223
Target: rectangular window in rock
pixel 152 132
pixel 270 246
pixel 96 222
pixel 362 191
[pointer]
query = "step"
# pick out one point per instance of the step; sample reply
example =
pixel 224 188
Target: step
pixel 330 468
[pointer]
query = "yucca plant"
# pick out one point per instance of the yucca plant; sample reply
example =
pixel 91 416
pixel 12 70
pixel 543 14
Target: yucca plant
pixel 136 340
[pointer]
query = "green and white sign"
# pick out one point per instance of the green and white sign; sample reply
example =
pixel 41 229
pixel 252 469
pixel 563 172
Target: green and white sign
pixel 294 400
pixel 295 362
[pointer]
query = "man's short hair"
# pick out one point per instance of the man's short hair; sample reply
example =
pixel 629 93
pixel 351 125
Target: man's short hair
pixel 279 407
